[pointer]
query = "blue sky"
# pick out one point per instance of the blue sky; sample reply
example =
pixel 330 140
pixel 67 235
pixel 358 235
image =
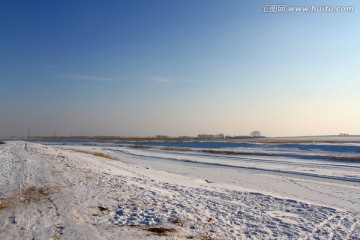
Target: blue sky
pixel 141 68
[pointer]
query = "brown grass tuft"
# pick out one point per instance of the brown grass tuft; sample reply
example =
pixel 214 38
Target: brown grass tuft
pixel 96 154
pixel 101 208
pixel 34 194
pixel 142 146
pixel 177 222
pixel 160 231
pixel 8 202
pixel 26 196
pixel 31 191
pixel 2 204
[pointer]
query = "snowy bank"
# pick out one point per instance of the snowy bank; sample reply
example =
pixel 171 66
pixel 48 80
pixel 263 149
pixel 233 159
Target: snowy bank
pixel 48 192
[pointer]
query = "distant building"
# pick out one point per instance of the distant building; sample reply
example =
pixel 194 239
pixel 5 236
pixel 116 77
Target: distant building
pixel 202 136
pixel 186 137
pixel 255 134
pixel 209 136
pixel 162 136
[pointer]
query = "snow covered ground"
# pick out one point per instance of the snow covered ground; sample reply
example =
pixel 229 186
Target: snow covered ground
pixel 65 192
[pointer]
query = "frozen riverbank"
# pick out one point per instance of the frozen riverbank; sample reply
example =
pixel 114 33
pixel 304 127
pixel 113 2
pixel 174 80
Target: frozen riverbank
pixel 49 192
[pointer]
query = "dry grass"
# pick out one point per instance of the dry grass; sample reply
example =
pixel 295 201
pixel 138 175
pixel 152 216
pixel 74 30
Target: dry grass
pixel 227 152
pixel 96 154
pixel 177 222
pixel 202 150
pixel 160 231
pixel 26 196
pixel 142 146
pixel 34 192
pixel 345 158
pixel 102 209
pixel 2 204
pixel 9 202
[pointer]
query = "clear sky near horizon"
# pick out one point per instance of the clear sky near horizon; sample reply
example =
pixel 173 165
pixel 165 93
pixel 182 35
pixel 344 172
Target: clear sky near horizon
pixel 141 68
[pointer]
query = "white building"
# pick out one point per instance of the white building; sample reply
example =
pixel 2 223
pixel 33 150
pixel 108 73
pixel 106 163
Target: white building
pixel 255 134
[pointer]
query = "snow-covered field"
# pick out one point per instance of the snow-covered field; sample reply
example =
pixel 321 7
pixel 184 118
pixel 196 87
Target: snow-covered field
pixel 278 192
